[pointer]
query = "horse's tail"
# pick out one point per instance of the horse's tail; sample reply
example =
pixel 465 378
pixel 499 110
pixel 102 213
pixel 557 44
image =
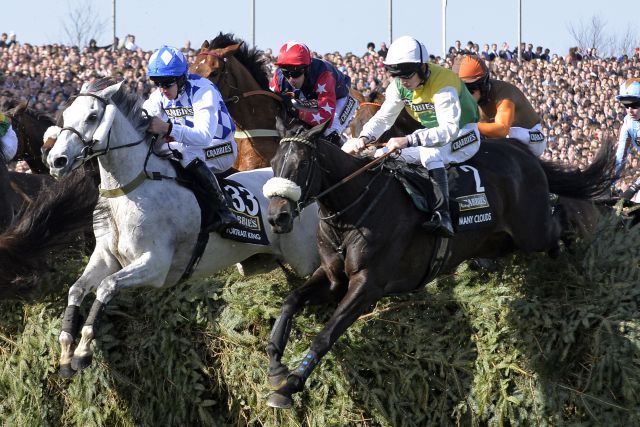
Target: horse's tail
pixel 590 183
pixel 53 219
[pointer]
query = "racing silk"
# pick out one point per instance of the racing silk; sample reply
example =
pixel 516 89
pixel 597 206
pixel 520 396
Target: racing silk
pixel 506 107
pixel 198 115
pixel 442 105
pixel 5 124
pixel 629 133
pixel 323 82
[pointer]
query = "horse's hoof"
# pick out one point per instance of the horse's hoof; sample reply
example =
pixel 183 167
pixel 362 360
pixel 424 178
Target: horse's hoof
pixel 280 401
pixel 66 371
pixel 277 381
pixel 81 362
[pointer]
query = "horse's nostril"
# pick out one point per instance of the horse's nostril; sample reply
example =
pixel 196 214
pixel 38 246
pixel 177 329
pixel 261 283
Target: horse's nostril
pixel 283 218
pixel 60 162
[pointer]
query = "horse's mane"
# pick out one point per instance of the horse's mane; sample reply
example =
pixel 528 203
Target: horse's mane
pixel 129 103
pixel 253 59
pixel 23 108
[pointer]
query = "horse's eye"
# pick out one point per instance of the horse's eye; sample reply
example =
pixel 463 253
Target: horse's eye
pixel 92 117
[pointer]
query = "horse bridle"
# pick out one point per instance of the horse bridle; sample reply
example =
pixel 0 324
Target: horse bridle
pixel 305 198
pixel 88 151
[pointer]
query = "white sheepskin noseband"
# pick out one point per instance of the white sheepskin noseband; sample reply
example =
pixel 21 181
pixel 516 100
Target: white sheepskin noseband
pixel 282 187
pixel 51 132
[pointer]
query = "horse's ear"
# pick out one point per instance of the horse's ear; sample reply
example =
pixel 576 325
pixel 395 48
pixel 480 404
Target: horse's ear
pixel 205 45
pixel 318 128
pixel 108 92
pixel 231 49
pixel 280 127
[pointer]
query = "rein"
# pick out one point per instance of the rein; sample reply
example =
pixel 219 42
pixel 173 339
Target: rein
pixel 88 152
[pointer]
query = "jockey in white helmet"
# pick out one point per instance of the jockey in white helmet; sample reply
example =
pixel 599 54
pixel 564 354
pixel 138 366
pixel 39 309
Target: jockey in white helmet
pixel 436 98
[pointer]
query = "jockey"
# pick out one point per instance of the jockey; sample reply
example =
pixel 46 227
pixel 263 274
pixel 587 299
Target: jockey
pixel 8 139
pixel 320 83
pixel 196 127
pixel 441 103
pixel 504 110
pixel 630 130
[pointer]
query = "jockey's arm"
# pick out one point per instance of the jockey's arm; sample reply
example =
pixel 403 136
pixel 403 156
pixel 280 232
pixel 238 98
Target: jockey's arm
pixel 207 114
pixel 505 113
pixel 448 111
pixel 385 117
pixel 325 88
pixel 624 145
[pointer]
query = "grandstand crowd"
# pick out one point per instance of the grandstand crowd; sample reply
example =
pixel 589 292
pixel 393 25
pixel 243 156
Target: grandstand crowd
pixel 574 93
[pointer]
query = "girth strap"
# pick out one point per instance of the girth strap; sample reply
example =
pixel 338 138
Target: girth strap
pixel 255 133
pixel 125 189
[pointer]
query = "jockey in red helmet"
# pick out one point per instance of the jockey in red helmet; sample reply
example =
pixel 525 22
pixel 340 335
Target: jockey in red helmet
pixel 318 82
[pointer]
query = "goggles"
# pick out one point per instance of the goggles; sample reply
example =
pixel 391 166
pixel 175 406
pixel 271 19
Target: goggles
pixel 403 71
pixel 292 73
pixel 164 83
pixel 631 104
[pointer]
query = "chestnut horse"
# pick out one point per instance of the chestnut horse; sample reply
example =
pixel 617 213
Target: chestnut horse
pixel 370 237
pixel 241 76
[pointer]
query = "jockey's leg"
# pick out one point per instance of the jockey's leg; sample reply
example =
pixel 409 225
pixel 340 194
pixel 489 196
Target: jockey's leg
pixel 222 217
pixel 9 144
pixel 440 222
pixel 533 138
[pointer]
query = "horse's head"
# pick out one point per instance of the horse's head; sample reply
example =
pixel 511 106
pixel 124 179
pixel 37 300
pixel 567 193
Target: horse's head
pixel 211 63
pixel 86 125
pixel 295 182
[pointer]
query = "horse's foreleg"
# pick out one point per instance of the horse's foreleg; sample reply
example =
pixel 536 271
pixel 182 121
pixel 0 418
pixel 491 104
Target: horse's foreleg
pixel 148 270
pixel 316 290
pixel 358 298
pixel 99 266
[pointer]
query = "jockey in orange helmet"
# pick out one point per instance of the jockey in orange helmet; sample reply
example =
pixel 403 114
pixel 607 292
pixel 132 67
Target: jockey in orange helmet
pixel 320 83
pixel 504 110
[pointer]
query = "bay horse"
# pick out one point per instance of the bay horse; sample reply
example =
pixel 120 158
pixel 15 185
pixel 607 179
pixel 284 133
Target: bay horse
pixel 242 77
pixel 153 221
pixel 30 126
pixel 370 237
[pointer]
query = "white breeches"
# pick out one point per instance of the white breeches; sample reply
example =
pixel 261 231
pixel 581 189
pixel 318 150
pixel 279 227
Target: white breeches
pixel 219 156
pixel 9 144
pixel 345 111
pixel 533 138
pixel 458 150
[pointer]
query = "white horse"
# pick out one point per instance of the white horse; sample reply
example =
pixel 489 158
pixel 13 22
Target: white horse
pixel 151 226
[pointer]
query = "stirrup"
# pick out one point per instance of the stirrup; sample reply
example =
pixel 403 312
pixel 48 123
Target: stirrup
pixel 437 226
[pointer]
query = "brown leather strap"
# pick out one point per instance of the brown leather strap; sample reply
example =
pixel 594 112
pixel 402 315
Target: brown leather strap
pixel 262 92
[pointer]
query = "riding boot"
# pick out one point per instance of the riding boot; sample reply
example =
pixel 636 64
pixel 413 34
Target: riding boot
pixel 440 222
pixel 335 138
pixel 220 216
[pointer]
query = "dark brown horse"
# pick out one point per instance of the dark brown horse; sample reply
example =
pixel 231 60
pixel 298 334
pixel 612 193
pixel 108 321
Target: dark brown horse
pixel 241 76
pixel 17 190
pixel 54 218
pixel 404 124
pixel 370 237
pixel 30 126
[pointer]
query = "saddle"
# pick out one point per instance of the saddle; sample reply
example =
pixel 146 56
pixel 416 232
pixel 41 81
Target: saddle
pixel 422 191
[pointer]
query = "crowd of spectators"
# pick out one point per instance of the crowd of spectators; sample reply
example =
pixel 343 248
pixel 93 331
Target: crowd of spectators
pixel 574 94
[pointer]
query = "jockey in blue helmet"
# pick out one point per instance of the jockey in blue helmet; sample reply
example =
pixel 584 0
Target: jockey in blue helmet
pixel 630 131
pixel 197 129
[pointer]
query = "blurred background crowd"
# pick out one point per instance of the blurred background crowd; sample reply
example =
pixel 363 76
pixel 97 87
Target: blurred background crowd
pixel 573 93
